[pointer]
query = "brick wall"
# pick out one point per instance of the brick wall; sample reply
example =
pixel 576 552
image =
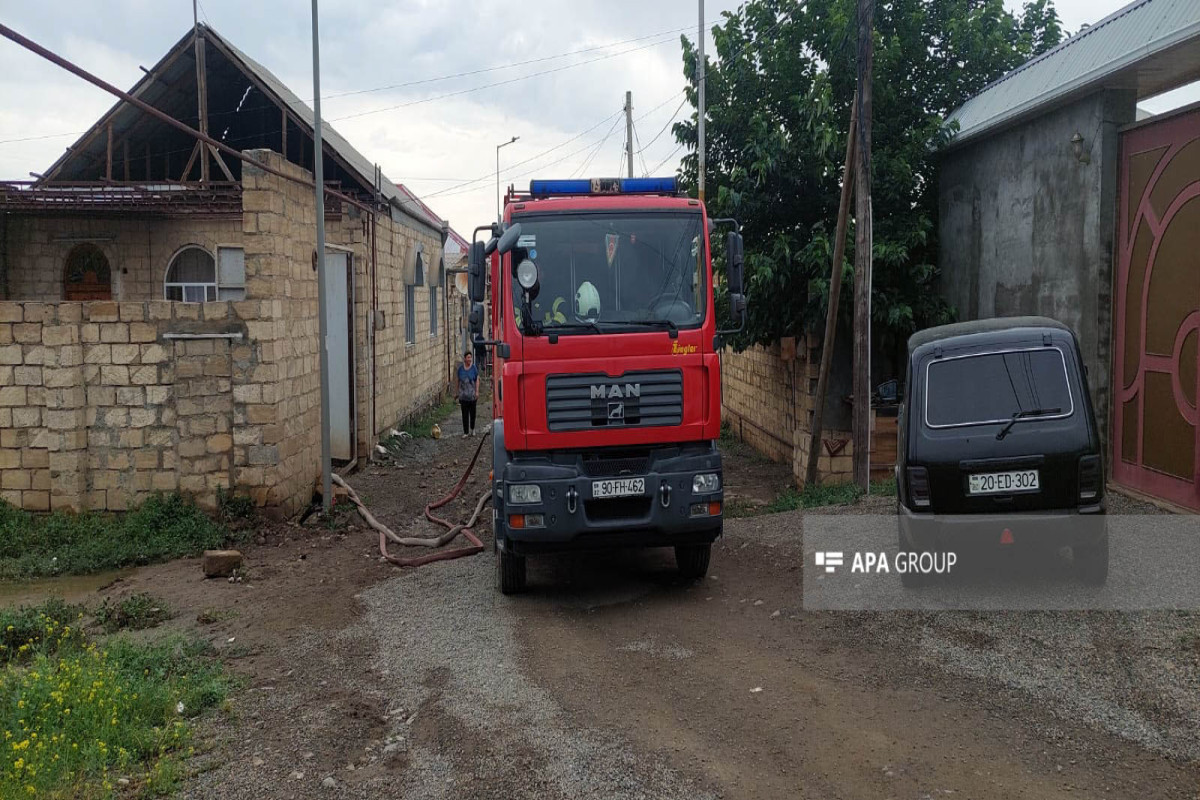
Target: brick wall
pixel 768 398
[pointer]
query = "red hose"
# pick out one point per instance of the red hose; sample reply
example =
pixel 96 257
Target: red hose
pixel 476 545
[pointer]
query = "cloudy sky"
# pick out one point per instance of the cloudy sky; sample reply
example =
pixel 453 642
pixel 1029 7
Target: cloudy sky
pixel 568 118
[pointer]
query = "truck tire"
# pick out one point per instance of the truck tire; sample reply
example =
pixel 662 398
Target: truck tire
pixel 692 560
pixel 510 572
pixel 1091 562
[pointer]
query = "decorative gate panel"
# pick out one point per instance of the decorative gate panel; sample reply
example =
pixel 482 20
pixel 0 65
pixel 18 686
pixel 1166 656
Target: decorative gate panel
pixel 1157 315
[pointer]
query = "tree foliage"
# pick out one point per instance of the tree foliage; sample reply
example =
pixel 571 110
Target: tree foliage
pixel 778 95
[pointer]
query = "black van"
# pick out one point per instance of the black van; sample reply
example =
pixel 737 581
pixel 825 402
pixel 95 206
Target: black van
pixel 998 443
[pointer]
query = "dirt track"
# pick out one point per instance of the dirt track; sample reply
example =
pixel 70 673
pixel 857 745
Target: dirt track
pixel 611 678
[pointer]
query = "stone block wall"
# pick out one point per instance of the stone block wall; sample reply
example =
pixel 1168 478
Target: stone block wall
pixel 102 403
pixel 138 250
pixel 105 403
pixel 768 400
pixel 758 391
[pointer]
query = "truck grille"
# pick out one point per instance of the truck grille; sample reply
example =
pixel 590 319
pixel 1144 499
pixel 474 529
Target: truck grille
pixel 604 467
pixel 596 400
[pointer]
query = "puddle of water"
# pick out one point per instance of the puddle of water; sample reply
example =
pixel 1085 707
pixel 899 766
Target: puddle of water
pixel 72 588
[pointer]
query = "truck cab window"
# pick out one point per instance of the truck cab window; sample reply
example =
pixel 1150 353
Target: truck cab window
pixel 618 270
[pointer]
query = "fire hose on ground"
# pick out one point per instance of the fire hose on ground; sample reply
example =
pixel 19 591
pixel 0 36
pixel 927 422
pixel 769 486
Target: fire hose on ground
pixel 452 529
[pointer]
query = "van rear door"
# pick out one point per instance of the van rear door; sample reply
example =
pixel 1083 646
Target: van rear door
pixel 1003 429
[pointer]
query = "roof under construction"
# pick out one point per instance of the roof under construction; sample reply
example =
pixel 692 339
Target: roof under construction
pixel 1149 45
pixel 247 108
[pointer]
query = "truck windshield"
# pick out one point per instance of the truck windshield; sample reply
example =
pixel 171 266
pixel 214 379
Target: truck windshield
pixel 614 271
pixel 986 388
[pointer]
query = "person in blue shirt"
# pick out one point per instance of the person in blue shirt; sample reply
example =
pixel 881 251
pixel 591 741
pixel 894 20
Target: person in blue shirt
pixel 468 393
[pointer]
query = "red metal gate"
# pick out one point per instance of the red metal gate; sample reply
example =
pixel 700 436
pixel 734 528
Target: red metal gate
pixel 1156 359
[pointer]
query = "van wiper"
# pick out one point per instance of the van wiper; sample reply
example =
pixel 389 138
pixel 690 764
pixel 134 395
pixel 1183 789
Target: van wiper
pixel 1018 415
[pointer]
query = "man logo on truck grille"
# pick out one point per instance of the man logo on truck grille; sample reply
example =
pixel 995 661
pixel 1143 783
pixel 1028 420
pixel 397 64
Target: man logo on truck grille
pixel 602 391
pixel 616 411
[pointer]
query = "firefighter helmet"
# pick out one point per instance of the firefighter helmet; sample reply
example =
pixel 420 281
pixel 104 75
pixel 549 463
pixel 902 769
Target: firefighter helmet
pixel 587 300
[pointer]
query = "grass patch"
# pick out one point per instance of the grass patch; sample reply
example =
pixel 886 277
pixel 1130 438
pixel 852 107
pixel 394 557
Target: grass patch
pixel 63 543
pixel 421 426
pixel 844 494
pixel 77 715
pixel 136 612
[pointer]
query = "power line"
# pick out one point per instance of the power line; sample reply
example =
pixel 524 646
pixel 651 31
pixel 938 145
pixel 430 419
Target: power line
pixel 438 79
pixel 645 172
pixel 498 83
pixel 668 158
pixel 491 175
pixel 667 125
pixel 582 169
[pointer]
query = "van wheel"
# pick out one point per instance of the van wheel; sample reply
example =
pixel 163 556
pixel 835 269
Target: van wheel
pixel 1091 562
pixel 692 560
pixel 510 572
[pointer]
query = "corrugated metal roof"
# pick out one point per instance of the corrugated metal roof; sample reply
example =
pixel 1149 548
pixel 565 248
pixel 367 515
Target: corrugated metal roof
pixel 1096 55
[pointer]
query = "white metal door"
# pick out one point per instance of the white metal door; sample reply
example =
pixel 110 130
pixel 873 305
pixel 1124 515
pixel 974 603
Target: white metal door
pixel 338 298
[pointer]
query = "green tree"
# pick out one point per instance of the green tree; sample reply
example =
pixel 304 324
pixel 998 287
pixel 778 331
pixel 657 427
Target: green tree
pixel 778 97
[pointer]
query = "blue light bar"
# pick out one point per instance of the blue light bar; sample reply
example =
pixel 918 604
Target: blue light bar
pixel 547 188
pixel 648 185
pixel 582 186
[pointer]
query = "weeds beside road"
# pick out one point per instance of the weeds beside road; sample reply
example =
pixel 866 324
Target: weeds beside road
pixel 65 543
pixel 82 716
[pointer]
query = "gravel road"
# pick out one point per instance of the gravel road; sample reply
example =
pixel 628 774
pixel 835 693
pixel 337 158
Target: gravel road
pixel 612 678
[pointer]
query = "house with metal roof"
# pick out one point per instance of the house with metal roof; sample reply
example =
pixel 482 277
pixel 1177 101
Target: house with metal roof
pixel 158 298
pixel 1058 198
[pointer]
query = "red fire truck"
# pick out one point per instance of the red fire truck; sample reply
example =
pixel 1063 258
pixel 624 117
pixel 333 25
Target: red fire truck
pixel 607 383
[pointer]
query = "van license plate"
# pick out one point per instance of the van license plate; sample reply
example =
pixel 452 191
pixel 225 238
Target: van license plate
pixel 620 487
pixel 1025 480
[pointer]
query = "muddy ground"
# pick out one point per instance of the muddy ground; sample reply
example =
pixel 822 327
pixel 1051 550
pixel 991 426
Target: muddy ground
pixel 612 678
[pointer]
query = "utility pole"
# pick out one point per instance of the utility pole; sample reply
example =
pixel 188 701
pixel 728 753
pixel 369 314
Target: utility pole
pixel 862 253
pixel 322 299
pixel 835 291
pixel 629 130
pixel 700 104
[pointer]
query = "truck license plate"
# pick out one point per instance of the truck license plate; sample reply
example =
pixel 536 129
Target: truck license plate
pixel 1024 480
pixel 619 487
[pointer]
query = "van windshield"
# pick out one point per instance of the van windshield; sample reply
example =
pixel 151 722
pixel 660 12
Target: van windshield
pixel 614 271
pixel 994 387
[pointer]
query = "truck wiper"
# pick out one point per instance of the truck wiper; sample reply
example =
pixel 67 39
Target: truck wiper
pixel 1018 415
pixel 657 323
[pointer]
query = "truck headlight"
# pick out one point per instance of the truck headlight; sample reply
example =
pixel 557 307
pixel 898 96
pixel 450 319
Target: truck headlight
pixel 706 482
pixel 524 493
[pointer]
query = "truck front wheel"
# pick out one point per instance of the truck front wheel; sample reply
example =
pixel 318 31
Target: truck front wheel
pixel 692 560
pixel 510 572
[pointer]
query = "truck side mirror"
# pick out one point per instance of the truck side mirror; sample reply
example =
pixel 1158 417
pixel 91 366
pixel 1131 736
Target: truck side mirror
pixel 476 273
pixel 737 260
pixel 737 305
pixel 475 319
pixel 508 239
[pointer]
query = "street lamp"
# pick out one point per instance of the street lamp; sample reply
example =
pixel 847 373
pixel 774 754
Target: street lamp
pixel 502 144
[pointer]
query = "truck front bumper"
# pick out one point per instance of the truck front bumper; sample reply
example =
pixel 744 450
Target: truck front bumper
pixel 572 517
